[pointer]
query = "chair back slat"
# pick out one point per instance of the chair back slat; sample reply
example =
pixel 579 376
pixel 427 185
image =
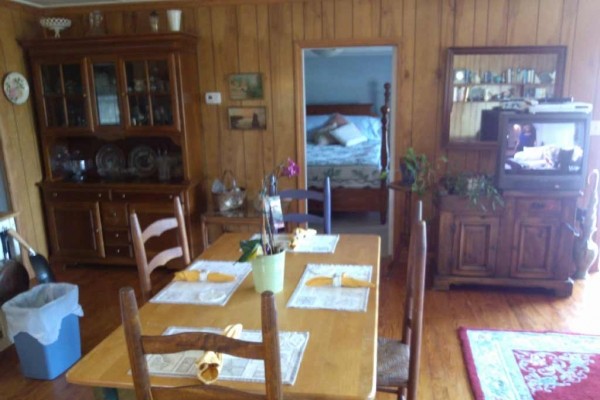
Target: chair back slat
pixel 299 194
pixel 417 217
pixel 139 346
pixel 155 229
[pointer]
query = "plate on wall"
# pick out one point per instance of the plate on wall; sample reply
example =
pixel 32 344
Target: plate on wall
pixel 143 160
pixel 110 160
pixel 16 88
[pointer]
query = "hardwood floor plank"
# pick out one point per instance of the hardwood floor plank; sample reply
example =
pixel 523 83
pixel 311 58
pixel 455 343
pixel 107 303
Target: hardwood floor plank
pixel 443 374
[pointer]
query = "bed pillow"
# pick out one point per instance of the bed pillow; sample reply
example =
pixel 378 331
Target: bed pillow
pixel 338 119
pixel 348 135
pixel 322 136
pixel 368 126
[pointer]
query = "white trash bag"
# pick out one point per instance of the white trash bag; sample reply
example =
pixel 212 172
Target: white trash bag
pixel 40 311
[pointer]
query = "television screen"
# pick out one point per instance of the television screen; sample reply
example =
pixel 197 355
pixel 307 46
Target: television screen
pixel 543 151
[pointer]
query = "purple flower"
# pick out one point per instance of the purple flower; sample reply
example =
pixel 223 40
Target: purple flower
pixel 291 169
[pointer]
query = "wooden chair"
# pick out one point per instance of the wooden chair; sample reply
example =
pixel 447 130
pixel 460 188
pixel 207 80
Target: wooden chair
pixel 138 346
pixel 300 194
pixel 398 361
pixel 155 229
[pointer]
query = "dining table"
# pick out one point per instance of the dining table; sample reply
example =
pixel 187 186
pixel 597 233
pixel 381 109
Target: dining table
pixel 339 360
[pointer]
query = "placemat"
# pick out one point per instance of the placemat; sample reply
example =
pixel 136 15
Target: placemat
pixel 311 244
pixel 332 298
pixel 205 293
pixel 292 345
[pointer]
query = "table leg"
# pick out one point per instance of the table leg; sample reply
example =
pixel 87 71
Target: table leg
pixel 113 394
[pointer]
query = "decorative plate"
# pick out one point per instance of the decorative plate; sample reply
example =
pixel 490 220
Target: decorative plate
pixel 110 160
pixel 16 88
pixel 143 160
pixel 56 24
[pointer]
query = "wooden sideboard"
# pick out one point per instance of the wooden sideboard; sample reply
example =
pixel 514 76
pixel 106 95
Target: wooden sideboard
pixel 118 121
pixel 526 243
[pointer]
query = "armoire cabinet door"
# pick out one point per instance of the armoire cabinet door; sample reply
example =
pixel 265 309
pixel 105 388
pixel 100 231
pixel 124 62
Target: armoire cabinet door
pixel 475 239
pixel 75 229
pixel 64 102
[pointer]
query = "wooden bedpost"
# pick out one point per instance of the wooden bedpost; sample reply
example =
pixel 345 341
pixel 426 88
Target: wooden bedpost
pixel 385 159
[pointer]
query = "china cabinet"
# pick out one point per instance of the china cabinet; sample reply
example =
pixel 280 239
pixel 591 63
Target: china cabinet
pixel 119 131
pixel 526 243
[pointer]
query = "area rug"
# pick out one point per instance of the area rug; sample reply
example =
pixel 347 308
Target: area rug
pixel 519 365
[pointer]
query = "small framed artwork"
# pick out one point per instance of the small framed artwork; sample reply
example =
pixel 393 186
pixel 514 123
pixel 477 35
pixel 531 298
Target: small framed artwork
pixel 247 118
pixel 245 86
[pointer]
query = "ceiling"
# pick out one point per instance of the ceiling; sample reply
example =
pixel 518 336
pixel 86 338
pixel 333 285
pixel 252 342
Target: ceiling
pixel 66 3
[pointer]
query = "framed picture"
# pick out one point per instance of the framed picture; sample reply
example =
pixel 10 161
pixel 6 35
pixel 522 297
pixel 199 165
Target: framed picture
pixel 247 118
pixel 245 86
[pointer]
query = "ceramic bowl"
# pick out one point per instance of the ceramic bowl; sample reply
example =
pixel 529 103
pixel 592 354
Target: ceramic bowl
pixel 56 24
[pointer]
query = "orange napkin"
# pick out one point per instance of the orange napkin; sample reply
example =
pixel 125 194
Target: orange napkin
pixel 202 275
pixel 343 281
pixel 210 363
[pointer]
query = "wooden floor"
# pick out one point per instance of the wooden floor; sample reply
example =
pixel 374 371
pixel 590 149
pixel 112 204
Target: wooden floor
pixel 443 373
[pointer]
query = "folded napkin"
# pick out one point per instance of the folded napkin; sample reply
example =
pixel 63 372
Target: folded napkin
pixel 338 280
pixel 299 235
pixel 202 276
pixel 210 363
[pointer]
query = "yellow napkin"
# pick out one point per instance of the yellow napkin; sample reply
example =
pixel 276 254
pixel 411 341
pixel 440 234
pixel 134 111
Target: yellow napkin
pixel 210 364
pixel 344 281
pixel 299 235
pixel 195 276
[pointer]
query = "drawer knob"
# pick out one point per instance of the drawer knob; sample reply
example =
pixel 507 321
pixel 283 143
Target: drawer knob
pixel 123 196
pixel 54 194
pixel 99 195
pixel 118 251
pixel 116 235
pixel 114 214
pixel 170 197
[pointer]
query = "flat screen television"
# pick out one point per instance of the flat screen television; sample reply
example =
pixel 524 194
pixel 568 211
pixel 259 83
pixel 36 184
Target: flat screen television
pixel 543 151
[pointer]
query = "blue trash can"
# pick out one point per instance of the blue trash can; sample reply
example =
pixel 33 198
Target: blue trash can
pixel 44 324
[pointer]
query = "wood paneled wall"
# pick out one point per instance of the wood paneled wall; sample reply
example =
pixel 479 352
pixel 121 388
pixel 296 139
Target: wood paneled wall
pixel 259 36
pixel 18 141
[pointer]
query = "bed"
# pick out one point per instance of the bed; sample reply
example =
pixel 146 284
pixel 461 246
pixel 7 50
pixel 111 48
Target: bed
pixel 358 173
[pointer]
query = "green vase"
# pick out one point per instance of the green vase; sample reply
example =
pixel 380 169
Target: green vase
pixel 268 272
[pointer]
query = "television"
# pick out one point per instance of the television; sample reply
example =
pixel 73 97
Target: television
pixel 543 151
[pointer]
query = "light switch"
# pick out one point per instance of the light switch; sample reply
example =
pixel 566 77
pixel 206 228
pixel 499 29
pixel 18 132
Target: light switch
pixel 212 98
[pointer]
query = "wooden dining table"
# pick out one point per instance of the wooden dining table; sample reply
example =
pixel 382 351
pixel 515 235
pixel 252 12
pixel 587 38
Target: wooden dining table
pixel 339 361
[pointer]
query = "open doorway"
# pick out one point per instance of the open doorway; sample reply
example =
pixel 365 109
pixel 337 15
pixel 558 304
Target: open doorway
pixel 342 86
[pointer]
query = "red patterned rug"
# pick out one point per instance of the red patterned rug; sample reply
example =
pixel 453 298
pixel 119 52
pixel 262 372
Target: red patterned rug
pixel 516 365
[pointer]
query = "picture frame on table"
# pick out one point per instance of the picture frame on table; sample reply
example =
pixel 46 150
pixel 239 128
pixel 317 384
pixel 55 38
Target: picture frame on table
pixel 247 118
pixel 247 86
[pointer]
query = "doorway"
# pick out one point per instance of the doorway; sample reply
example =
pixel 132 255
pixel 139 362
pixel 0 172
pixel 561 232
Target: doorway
pixel 348 76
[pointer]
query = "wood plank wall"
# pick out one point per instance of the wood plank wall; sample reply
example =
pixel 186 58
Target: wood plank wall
pixel 259 35
pixel 18 140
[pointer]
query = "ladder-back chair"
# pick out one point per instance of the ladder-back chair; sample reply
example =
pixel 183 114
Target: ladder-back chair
pixel 300 194
pixel 139 345
pixel 156 229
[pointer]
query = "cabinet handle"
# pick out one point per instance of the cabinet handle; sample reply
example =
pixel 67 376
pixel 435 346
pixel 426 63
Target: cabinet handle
pixel 123 196
pixel 118 251
pixel 114 214
pixel 170 197
pixel 54 194
pixel 116 235
pixel 99 195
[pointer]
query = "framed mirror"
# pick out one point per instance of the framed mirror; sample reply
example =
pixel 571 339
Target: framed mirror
pixel 480 79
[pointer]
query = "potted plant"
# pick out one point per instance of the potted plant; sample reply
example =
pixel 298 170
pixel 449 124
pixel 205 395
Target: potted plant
pixel 479 189
pixel 418 172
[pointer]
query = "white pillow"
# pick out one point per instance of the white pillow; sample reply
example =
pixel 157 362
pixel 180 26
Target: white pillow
pixel 348 135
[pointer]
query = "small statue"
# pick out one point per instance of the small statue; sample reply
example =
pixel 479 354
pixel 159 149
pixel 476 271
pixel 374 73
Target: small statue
pixel 585 250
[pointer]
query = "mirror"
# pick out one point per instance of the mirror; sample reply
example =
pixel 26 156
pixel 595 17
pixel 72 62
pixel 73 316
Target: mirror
pixel 484 78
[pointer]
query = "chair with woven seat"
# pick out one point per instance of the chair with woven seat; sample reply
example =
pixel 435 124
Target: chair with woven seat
pixel 301 218
pixel 138 346
pixel 156 229
pixel 398 360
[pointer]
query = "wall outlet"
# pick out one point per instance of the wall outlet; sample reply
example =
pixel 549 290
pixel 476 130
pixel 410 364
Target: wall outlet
pixel 595 128
pixel 212 98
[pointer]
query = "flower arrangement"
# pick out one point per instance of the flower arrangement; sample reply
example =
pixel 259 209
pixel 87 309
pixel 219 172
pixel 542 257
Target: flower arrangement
pixel 266 244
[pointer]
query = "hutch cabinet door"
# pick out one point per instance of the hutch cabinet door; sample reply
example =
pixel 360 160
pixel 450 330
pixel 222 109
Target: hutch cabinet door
pixel 535 247
pixel 106 95
pixel 63 101
pixel 75 229
pixel 151 99
pixel 475 238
